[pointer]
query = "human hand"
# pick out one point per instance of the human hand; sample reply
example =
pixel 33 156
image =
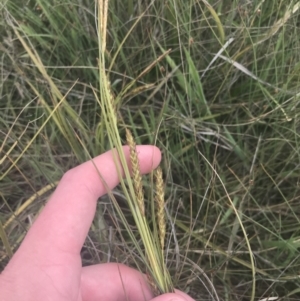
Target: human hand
pixel 47 265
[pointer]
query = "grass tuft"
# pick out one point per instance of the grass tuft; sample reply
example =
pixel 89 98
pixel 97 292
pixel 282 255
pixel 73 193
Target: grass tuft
pixel 214 84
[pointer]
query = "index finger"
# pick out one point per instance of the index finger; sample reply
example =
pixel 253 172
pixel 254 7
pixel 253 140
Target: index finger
pixel 64 223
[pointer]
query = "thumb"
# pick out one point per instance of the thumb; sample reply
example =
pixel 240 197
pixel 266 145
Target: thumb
pixel 177 296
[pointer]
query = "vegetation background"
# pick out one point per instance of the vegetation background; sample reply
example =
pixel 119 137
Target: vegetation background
pixel 222 105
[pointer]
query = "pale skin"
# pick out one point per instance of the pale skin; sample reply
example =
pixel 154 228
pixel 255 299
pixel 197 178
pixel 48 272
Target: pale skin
pixel 47 265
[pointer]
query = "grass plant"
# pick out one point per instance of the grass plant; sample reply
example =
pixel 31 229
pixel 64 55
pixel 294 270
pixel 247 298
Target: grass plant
pixel 214 84
pixel 158 275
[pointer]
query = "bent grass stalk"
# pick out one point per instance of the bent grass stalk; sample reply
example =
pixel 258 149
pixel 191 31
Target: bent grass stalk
pixel 152 256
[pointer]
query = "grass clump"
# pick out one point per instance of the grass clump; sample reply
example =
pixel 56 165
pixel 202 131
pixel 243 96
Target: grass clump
pixel 215 84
